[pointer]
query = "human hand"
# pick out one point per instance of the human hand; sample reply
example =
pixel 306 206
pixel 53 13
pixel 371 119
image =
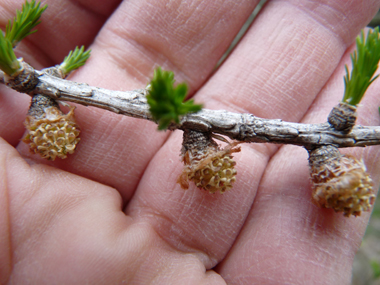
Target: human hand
pixel 63 225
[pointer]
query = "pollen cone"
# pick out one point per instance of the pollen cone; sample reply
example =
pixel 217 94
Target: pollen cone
pixel 51 133
pixel 340 182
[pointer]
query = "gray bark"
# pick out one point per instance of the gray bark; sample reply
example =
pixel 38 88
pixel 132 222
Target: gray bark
pixel 241 127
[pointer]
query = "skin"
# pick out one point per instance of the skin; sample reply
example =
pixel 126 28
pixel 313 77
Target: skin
pixel 113 212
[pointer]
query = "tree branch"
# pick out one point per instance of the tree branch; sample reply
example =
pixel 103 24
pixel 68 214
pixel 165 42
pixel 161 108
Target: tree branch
pixel 241 127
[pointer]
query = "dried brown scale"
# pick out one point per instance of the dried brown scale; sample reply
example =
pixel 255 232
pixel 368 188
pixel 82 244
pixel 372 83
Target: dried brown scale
pixel 340 182
pixel 342 117
pixel 197 145
pixel 54 71
pixel 38 105
pixel 206 165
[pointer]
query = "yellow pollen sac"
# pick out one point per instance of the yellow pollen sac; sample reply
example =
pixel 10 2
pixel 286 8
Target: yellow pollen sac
pixel 52 135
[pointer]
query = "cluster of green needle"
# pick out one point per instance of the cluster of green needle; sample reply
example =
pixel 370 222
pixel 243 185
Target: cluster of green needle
pixel 8 60
pixel 166 101
pixel 24 22
pixel 74 60
pixel 365 60
pixel 15 31
pixel 22 26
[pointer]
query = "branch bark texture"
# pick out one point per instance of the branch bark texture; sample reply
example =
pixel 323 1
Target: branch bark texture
pixel 241 127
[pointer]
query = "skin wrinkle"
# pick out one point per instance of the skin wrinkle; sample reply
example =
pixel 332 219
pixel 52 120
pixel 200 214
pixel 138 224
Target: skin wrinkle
pixel 179 27
pixel 164 61
pixel 90 8
pixel 43 227
pixel 113 133
pixel 180 243
pixel 130 68
pixel 339 11
pixel 202 256
pixel 220 20
pixel 197 48
pixel 169 57
pixel 299 75
pixel 289 53
pixel 87 21
pixel 249 183
pixel 186 245
pixel 150 52
pixel 288 278
pixel 296 75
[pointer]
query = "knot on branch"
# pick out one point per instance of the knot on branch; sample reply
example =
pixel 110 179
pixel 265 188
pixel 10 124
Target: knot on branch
pixel 24 81
pixel 342 117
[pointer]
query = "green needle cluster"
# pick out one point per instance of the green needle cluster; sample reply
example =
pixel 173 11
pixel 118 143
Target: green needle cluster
pixel 74 60
pixel 364 61
pixel 166 101
pixel 21 27
pixel 24 22
pixel 8 60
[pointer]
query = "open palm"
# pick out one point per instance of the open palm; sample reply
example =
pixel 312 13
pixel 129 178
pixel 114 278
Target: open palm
pixel 113 212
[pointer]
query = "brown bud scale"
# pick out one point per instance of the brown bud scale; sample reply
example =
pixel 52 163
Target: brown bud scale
pixel 342 117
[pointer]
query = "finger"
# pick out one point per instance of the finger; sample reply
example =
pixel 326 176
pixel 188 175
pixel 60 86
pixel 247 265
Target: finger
pixel 194 221
pixel 61 228
pixel 13 108
pixel 285 234
pixel 64 25
pixel 187 37
pixel 286 57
